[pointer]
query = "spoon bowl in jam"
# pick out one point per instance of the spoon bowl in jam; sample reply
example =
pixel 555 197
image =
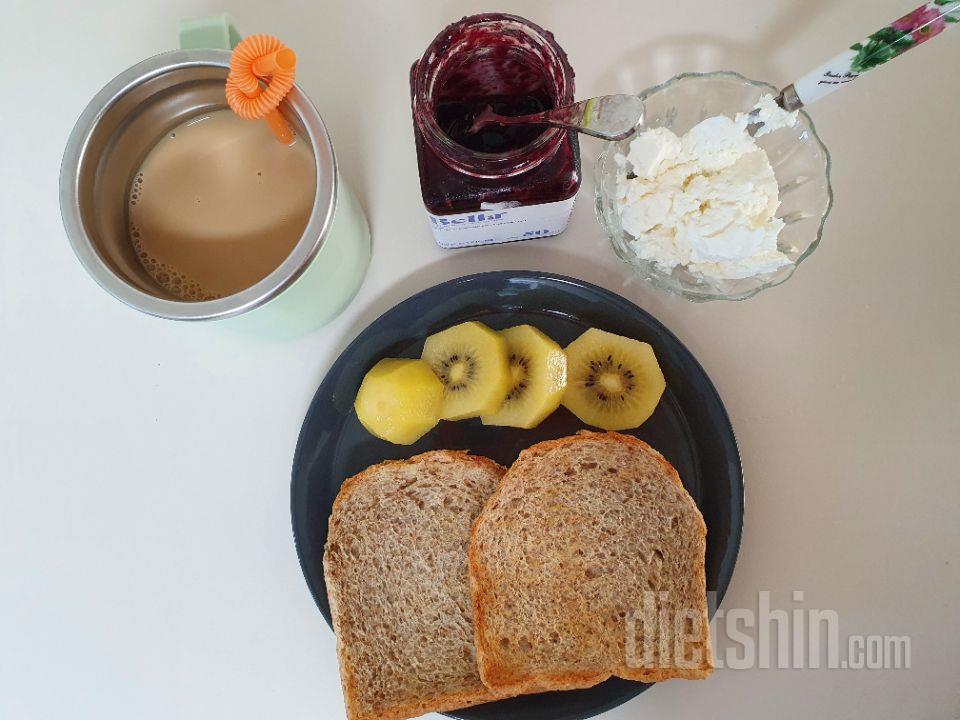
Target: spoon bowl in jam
pixel 608 117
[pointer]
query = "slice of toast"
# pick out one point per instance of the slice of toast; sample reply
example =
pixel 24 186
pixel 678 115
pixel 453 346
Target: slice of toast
pixel 587 562
pixel 395 565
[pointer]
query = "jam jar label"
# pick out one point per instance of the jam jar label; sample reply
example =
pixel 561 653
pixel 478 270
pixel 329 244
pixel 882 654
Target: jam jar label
pixel 494 223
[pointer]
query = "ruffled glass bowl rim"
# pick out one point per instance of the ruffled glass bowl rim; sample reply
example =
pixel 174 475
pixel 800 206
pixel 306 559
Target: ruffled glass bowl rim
pixel 655 277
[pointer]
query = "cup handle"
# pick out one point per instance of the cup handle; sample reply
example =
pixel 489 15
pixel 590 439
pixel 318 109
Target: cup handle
pixel 215 32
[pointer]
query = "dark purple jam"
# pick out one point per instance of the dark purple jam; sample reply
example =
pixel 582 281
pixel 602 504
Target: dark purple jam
pixel 455 117
pixel 446 191
pixel 474 64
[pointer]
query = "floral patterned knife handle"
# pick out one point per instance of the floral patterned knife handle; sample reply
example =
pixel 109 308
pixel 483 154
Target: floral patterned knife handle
pixel 927 21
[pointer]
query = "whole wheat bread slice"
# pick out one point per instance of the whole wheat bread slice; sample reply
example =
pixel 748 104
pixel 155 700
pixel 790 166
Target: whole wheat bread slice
pixel 395 565
pixel 587 562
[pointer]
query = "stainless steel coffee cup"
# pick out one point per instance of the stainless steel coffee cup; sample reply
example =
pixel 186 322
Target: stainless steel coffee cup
pixel 110 141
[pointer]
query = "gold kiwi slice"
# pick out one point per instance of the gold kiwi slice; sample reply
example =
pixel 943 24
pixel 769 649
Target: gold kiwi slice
pixel 399 400
pixel 538 377
pixel 471 361
pixel 613 382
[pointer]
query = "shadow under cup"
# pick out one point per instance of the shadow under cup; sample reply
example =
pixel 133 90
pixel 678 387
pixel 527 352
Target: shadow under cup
pixel 110 142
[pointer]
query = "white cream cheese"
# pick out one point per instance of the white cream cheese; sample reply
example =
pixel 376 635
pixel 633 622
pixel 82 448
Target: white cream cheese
pixel 772 116
pixel 705 201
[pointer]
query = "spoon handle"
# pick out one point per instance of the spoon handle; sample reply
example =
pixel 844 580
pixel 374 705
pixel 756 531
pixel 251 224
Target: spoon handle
pixel 914 28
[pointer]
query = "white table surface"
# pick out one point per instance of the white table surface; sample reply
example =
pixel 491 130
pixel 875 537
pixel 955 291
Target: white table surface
pixel 147 568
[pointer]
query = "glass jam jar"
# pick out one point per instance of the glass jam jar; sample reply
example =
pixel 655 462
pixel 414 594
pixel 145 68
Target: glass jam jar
pixel 502 183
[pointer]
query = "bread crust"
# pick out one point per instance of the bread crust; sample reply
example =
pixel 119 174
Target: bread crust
pixel 481 590
pixel 438 703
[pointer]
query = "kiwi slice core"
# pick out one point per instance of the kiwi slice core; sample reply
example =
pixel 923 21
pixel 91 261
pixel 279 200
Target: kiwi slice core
pixel 609 379
pixel 519 375
pixel 457 372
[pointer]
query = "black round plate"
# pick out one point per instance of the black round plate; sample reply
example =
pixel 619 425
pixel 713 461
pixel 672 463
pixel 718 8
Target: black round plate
pixel 690 427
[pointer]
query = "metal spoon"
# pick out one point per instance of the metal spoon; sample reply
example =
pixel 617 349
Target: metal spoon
pixel 609 117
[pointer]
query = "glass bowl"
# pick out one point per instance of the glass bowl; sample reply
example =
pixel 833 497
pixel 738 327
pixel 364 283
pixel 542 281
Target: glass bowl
pixel 800 163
